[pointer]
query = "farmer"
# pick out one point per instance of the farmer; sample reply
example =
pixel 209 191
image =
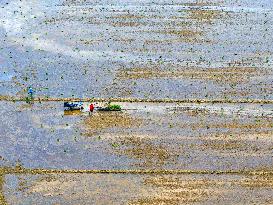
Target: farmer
pixel 30 92
pixel 91 108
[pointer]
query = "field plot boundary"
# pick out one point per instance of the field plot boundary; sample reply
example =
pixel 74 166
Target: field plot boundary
pixel 136 100
pixel 136 172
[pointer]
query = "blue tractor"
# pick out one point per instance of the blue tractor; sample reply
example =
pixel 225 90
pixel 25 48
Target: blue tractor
pixel 73 105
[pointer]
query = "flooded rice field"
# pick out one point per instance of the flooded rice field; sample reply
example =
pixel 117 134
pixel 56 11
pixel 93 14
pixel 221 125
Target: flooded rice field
pixel 141 49
pixel 208 142
pixel 137 189
pixel 153 136
pixel 201 138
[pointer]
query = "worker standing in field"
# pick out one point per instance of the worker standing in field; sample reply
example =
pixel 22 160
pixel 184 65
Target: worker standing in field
pixel 91 108
pixel 30 97
pixel 30 92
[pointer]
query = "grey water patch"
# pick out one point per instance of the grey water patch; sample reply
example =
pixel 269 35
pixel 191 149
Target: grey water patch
pixel 17 17
pixel 6 76
pixel 253 110
pixel 237 9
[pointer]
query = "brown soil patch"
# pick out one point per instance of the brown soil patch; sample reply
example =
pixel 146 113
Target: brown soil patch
pixel 175 191
pixel 201 3
pixel 151 155
pixel 236 124
pixel 224 145
pixel 219 75
pixel 127 16
pixel 234 128
pixel 258 182
pixel 175 183
pixel 206 16
pixel 183 35
pixel 127 24
pixel 72 112
pixel 103 120
pixel 2 196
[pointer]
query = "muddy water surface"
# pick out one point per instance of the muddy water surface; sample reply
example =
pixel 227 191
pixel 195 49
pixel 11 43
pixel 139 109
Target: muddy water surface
pixel 164 136
pixel 182 49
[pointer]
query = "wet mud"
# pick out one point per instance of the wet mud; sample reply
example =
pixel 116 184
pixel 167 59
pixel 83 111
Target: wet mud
pixel 132 189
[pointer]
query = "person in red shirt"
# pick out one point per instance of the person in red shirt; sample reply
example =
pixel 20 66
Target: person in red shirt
pixel 91 108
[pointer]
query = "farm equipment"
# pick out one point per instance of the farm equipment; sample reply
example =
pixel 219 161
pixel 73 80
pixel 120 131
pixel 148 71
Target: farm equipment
pixel 73 105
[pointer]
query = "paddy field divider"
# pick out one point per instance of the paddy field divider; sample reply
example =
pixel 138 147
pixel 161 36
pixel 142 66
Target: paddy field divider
pixel 139 100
